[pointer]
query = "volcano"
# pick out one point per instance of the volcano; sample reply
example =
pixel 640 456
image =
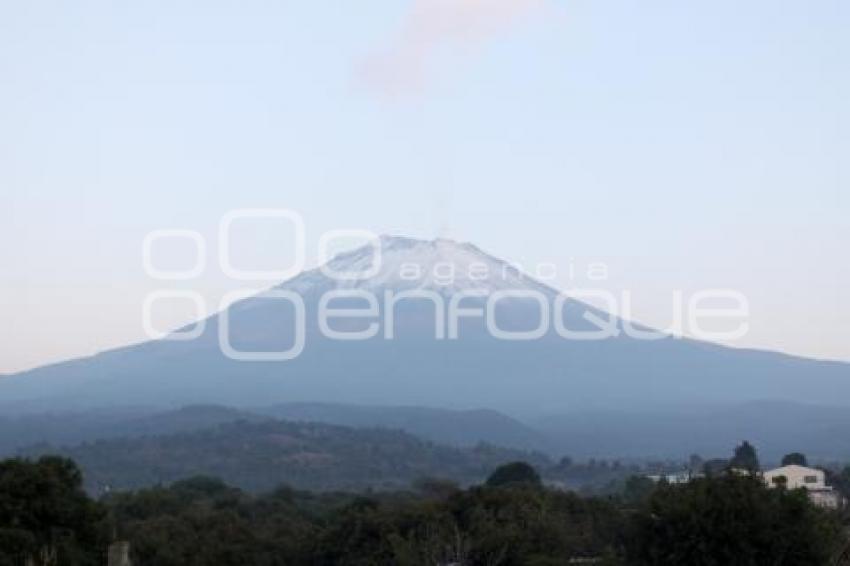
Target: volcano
pixel 414 322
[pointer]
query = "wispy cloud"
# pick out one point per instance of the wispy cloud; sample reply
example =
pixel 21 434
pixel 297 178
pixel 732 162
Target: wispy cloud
pixel 433 26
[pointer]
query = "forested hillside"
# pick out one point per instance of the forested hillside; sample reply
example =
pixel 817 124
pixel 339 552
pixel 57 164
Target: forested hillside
pixel 258 456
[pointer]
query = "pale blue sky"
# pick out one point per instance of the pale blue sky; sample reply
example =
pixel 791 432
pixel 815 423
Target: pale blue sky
pixel 687 144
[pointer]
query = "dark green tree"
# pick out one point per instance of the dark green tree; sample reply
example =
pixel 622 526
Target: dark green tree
pixel 732 521
pixel 745 458
pixel 44 512
pixel 637 489
pixel 794 458
pixel 514 473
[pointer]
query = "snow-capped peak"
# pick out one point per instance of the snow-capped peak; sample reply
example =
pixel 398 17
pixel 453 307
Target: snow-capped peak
pixel 400 263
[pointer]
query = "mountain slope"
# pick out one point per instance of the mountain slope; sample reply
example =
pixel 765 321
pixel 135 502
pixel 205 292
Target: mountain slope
pixel 60 429
pixel 454 428
pixel 548 374
pixel 443 426
pixel 261 456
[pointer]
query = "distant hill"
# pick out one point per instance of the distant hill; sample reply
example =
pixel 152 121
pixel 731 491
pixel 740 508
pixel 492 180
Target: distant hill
pixel 457 428
pixel 60 429
pixel 259 456
pixel 774 427
pixel 443 426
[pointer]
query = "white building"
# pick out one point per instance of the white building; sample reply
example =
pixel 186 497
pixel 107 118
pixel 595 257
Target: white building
pixel 675 478
pixel 810 479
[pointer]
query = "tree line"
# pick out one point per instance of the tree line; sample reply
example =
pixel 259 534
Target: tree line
pixel 513 518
